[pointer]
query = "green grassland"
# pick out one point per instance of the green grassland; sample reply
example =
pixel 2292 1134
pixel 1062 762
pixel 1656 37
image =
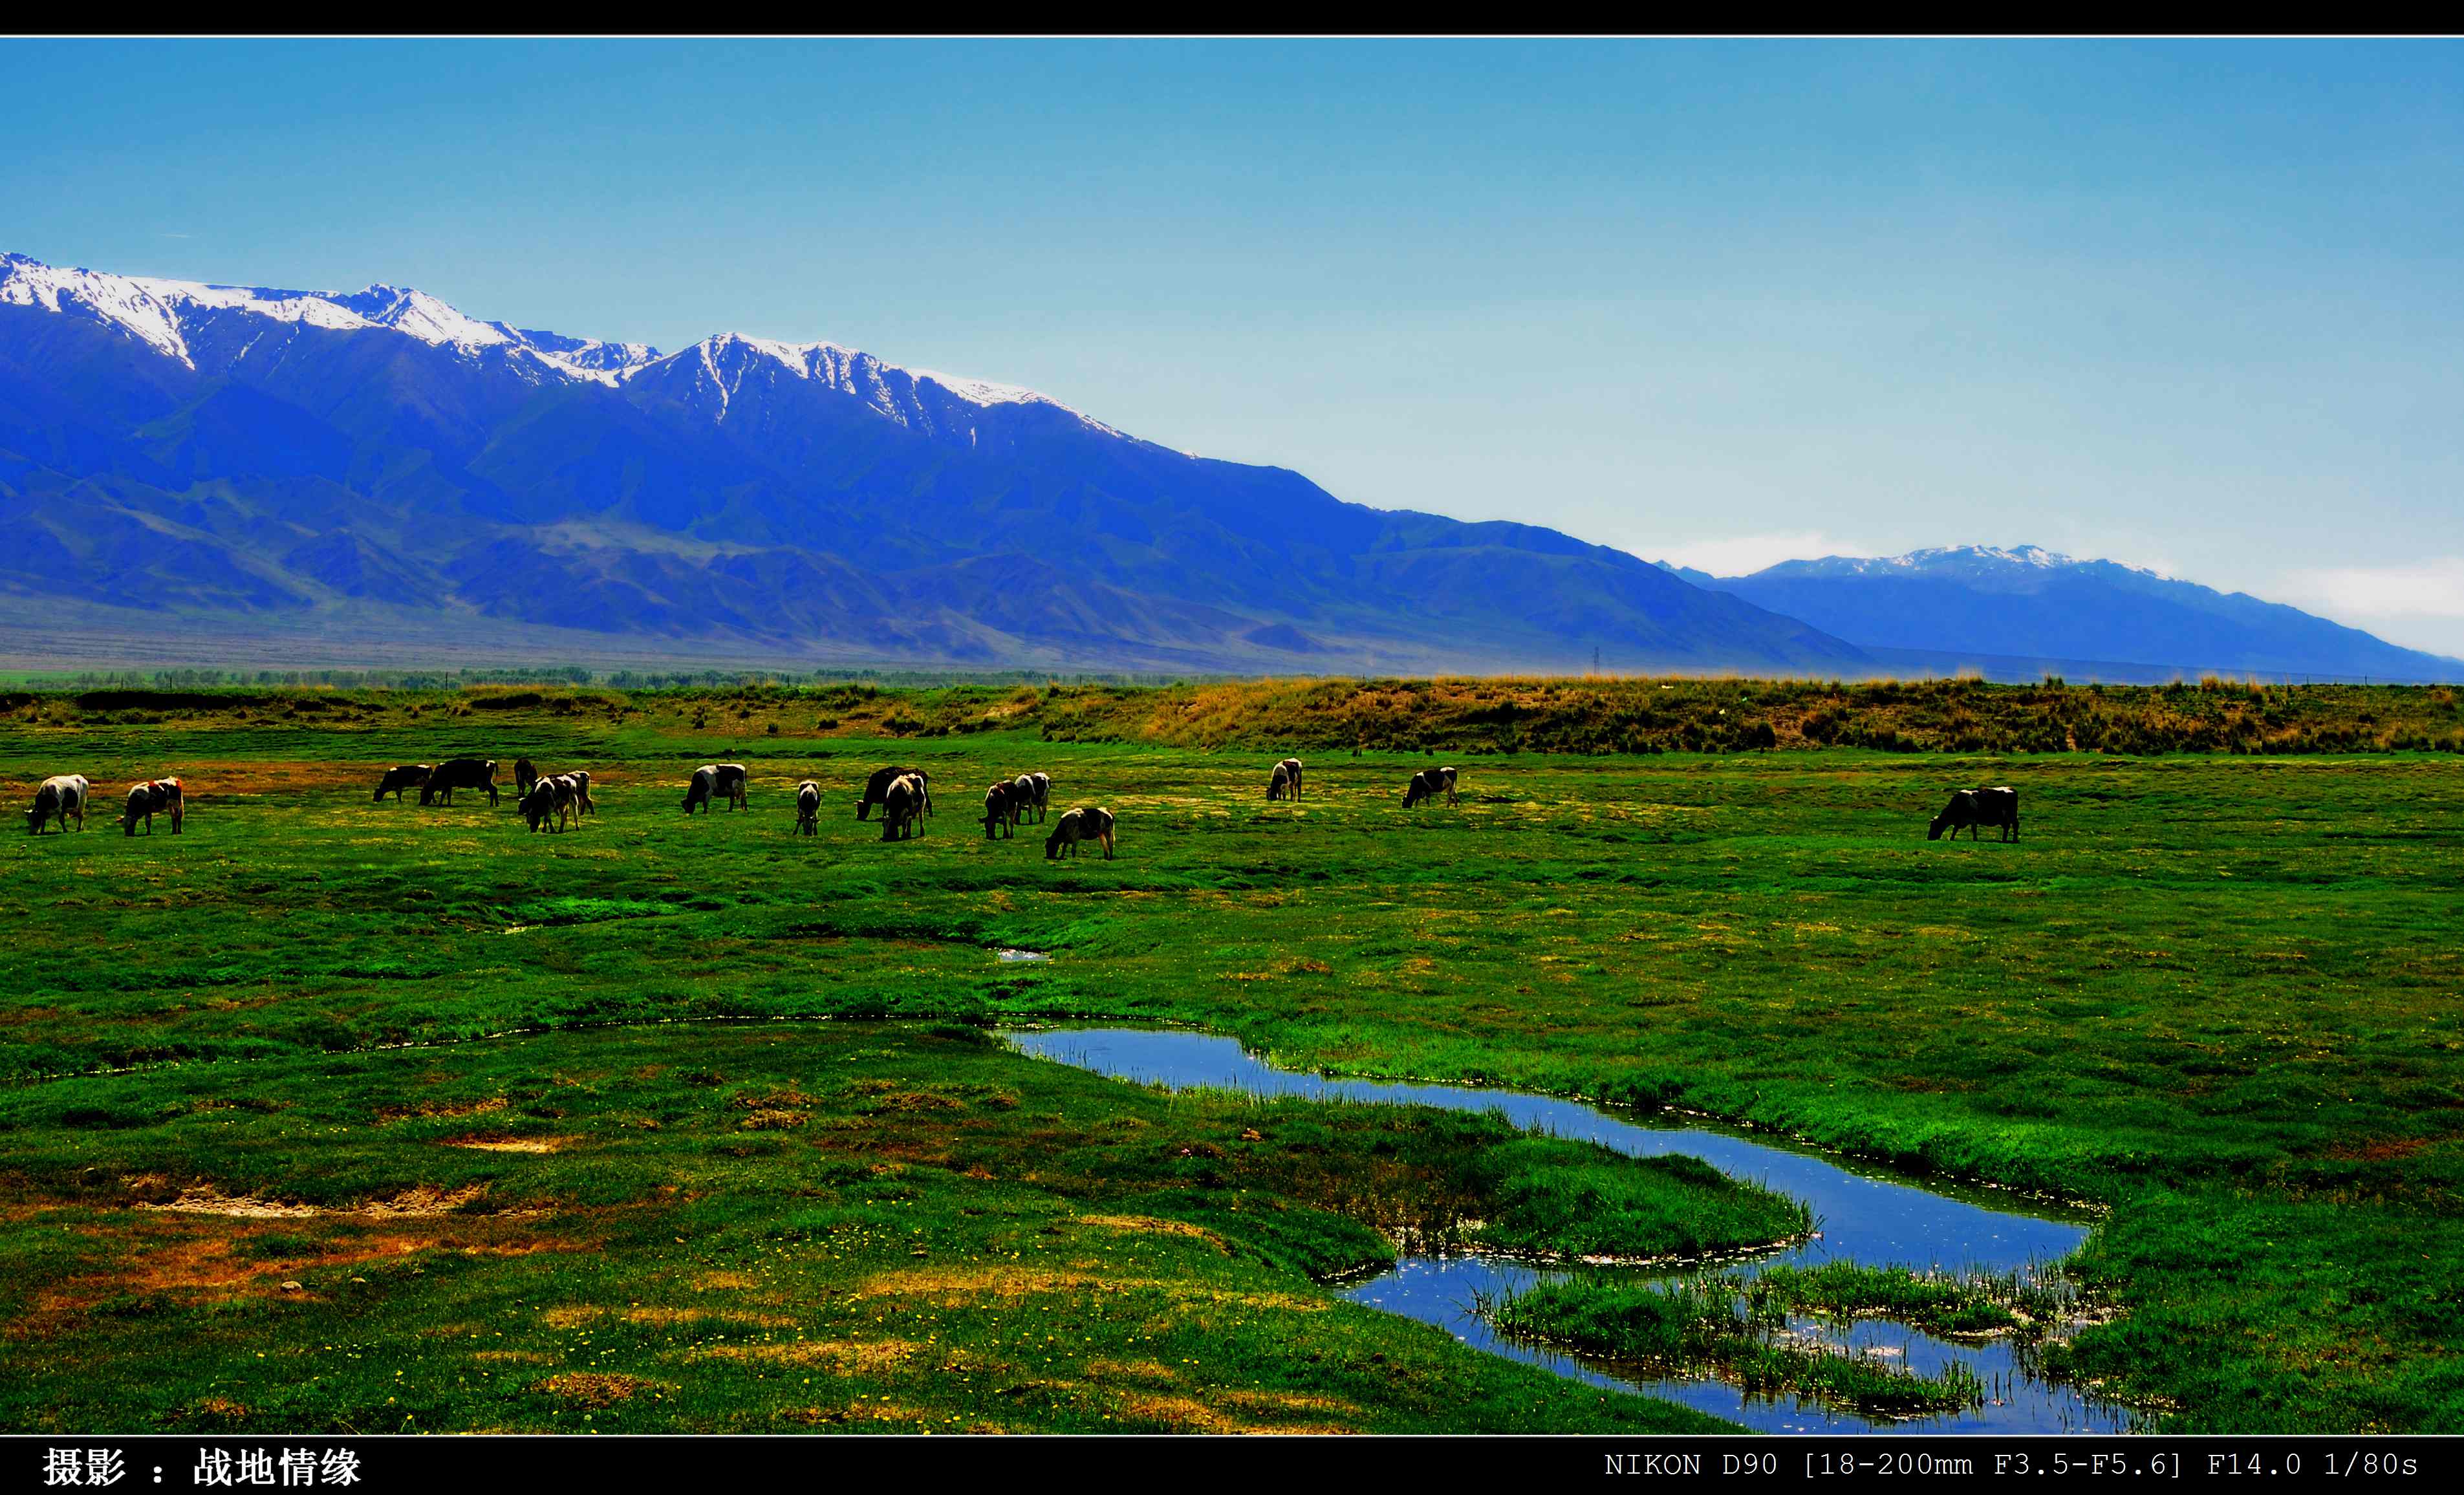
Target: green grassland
pixel 2218 993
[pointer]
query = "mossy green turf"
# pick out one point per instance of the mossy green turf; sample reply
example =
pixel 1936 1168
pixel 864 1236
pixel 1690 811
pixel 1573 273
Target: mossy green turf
pixel 2219 995
pixel 738 1227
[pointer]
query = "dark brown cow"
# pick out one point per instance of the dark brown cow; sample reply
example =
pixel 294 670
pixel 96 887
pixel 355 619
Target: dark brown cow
pixel 1428 785
pixel 1971 808
pixel 525 775
pixel 154 797
pixel 1085 823
pixel 460 773
pixel 409 776
pixel 1002 808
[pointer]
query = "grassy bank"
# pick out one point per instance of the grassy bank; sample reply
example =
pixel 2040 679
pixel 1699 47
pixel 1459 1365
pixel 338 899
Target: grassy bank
pixel 1467 716
pixel 2218 993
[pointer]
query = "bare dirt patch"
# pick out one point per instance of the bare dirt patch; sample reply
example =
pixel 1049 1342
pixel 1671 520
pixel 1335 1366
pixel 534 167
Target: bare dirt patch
pixel 423 1200
pixel 846 1357
pixel 594 1388
pixel 511 1144
pixel 954 1286
pixel 1150 1226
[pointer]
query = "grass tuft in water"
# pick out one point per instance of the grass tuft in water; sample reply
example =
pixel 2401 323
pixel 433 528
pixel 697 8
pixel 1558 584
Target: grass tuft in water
pixel 1710 1323
pixel 1971 1307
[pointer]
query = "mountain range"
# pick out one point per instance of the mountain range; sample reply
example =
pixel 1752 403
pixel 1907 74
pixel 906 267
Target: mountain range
pixel 2021 610
pixel 375 467
pixel 193 472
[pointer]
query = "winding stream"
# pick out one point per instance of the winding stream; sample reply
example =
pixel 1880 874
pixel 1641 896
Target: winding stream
pixel 1860 1215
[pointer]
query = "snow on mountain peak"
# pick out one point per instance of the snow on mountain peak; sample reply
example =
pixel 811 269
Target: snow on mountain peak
pixel 159 313
pixel 422 316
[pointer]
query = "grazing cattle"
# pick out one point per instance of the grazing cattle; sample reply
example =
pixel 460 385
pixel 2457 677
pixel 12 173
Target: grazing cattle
pixel 1286 781
pixel 808 808
pixel 876 789
pixel 539 807
pixel 1428 785
pixel 717 782
pixel 1002 807
pixel 460 773
pixel 154 797
pixel 1029 792
pixel 1083 824
pixel 525 775
pixel 1971 808
pixel 410 776
pixel 569 793
pixel 902 809
pixel 62 797
pixel 582 801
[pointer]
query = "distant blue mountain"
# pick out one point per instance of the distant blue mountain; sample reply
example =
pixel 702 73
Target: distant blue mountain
pixel 1973 603
pixel 180 461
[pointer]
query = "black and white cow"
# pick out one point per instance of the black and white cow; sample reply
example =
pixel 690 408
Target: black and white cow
pixel 1971 808
pixel 62 797
pixel 1284 782
pixel 154 797
pixel 902 809
pixel 1428 785
pixel 1085 823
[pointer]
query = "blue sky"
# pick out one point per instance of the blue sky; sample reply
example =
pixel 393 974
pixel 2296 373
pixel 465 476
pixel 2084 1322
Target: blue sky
pixel 2193 306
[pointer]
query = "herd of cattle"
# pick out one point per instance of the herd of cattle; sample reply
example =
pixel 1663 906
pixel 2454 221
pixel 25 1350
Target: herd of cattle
pixel 553 802
pixel 904 796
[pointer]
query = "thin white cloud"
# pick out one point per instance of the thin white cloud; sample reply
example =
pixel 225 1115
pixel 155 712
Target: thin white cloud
pixel 2420 603
pixel 1741 554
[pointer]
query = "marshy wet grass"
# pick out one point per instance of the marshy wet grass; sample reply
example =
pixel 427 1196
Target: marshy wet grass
pixel 2212 997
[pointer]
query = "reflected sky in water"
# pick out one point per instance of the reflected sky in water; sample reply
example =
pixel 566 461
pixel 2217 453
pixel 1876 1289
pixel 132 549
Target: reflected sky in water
pixel 1861 1216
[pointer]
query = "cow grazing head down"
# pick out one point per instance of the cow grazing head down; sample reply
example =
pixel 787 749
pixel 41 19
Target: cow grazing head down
pixel 406 775
pixel 1952 817
pixel 538 807
pixel 154 797
pixel 1969 809
pixel 1087 822
pixel 47 803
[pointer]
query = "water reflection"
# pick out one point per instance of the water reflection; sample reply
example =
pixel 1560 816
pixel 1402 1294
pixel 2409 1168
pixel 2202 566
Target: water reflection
pixel 1861 1216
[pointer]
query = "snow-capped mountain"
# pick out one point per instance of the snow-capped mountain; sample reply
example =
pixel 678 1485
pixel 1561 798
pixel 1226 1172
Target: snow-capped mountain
pixel 377 463
pixel 2026 602
pixel 164 314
